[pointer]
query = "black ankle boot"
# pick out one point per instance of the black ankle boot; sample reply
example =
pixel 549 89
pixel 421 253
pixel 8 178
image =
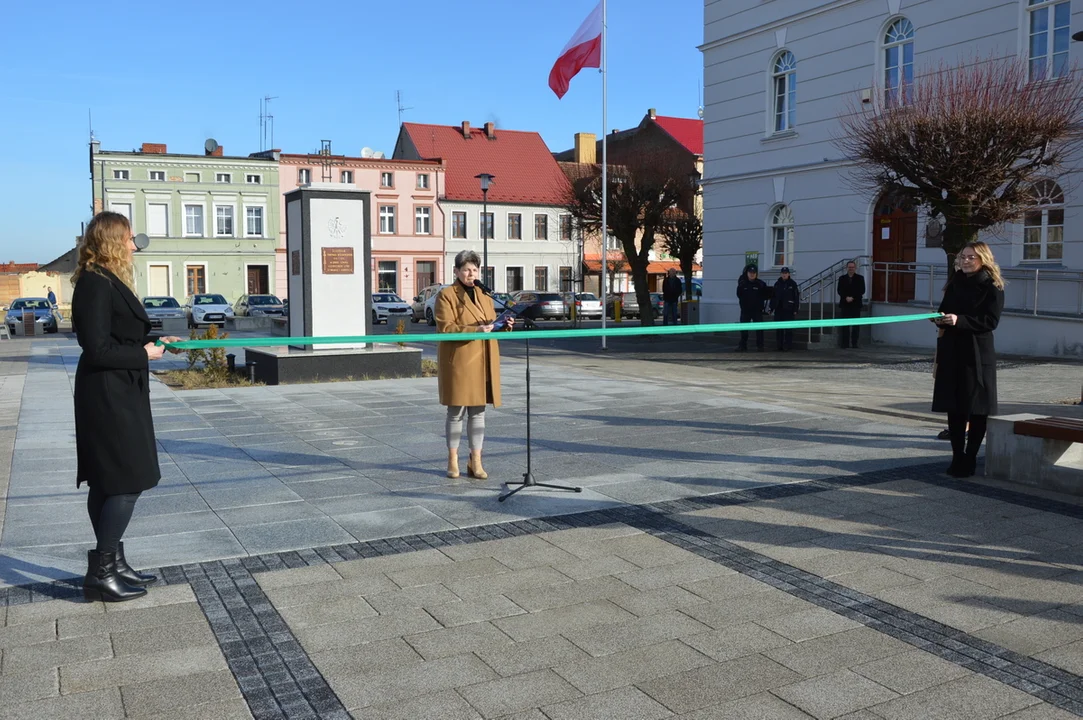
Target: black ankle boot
pixel 102 581
pixel 128 574
pixel 958 465
pixel 969 467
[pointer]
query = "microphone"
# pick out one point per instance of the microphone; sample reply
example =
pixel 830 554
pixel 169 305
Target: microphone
pixel 481 286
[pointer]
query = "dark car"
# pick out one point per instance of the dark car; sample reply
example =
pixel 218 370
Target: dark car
pixel 540 305
pixel 658 304
pixel 46 318
pixel 259 306
pixel 629 305
pixel 162 308
pixel 501 300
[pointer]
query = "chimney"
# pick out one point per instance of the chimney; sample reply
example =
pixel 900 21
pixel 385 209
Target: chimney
pixel 217 152
pixel 153 149
pixel 466 129
pixel 652 113
pixel 490 131
pixel 586 148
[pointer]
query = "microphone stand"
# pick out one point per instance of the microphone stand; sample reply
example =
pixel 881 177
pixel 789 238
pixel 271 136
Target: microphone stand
pixel 528 477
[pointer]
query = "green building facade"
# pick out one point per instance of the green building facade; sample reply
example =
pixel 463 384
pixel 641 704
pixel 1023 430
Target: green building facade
pixel 213 219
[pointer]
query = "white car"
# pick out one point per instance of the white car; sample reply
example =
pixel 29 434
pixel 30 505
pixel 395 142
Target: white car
pixel 424 307
pixel 207 309
pixel 389 306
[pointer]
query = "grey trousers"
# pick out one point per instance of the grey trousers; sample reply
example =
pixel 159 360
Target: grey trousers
pixel 475 425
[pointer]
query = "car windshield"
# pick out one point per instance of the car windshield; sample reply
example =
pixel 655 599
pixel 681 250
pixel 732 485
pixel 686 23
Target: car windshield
pixel 263 300
pixel 656 296
pixel 30 304
pixel 160 302
pixel 210 300
pixel 587 296
pixel 386 298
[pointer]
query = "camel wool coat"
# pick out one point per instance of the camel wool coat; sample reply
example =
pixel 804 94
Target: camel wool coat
pixel 468 373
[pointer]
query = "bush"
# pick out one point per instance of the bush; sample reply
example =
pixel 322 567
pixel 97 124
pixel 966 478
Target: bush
pixel 213 359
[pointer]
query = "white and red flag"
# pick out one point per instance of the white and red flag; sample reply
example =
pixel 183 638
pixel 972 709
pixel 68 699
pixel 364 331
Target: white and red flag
pixel 583 50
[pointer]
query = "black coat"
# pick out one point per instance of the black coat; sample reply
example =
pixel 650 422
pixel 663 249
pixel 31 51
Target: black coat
pixel 787 297
pixel 751 294
pixel 966 370
pixel 114 430
pixel 852 287
pixel 671 289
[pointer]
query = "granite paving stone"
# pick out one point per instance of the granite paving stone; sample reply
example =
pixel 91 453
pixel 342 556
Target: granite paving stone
pixel 835 694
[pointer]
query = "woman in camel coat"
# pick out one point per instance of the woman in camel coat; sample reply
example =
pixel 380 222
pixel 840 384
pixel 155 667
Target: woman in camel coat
pixel 469 372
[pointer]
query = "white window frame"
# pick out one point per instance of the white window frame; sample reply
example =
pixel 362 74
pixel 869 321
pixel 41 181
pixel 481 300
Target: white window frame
pixel 772 226
pixel 169 281
pixel 233 219
pixel 387 174
pixel 1049 66
pixel 249 181
pixel 906 38
pixel 304 176
pixel 535 233
pixel 481 225
pixel 228 178
pixel 463 214
pixel 263 221
pixel 507 225
pixel 202 205
pixel 397 264
pixel 346 177
pixel 151 173
pixel 127 202
pixel 391 228
pixel 1047 202
pixel 127 173
pixel 423 217
pixel 168 214
pixel 547 278
pixel 422 181
pixel 788 109
pixel 522 277
pixel 206 277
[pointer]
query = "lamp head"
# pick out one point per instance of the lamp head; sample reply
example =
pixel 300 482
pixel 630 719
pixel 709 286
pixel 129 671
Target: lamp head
pixel 486 179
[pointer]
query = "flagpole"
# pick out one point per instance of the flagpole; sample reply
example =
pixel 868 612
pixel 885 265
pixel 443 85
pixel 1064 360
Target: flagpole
pixel 605 168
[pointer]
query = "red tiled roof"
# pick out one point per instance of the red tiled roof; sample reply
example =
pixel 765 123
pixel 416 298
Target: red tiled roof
pixel 524 168
pixel 686 131
pixel 14 267
pixel 654 267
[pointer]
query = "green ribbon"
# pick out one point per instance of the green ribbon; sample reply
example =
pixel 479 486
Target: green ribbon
pixel 545 334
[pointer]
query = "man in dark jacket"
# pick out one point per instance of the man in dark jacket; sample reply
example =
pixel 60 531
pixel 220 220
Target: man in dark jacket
pixel 751 293
pixel 671 295
pixel 851 289
pixel 784 304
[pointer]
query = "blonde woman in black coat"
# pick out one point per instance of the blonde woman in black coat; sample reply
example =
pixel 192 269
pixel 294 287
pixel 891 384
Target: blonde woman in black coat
pixel 966 375
pixel 114 431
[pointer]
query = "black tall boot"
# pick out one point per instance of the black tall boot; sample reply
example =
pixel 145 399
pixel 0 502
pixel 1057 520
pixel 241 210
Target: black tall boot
pixel 957 435
pixel 974 437
pixel 128 574
pixel 102 581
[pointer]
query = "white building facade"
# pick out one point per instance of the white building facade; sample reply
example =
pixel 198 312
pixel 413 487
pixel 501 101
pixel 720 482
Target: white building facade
pixel 777 76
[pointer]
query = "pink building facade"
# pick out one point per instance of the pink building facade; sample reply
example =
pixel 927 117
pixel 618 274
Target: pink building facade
pixel 407 222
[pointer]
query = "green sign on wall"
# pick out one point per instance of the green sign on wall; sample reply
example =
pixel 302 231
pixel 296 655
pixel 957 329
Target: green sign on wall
pixel 752 257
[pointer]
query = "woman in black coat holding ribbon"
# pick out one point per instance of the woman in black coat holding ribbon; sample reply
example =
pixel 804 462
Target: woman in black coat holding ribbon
pixel 966 375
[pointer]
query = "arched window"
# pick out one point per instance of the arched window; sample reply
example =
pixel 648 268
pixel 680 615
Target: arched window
pixel 1048 33
pixel 784 82
pixel 899 63
pixel 782 235
pixel 1043 224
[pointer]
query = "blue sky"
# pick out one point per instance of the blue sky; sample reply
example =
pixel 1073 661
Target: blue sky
pixel 179 73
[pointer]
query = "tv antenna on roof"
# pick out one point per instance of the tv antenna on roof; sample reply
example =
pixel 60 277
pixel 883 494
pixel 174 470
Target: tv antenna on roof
pixel 266 122
pixel 398 102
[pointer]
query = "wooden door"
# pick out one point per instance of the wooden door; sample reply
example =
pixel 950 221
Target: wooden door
pixel 894 241
pixel 258 283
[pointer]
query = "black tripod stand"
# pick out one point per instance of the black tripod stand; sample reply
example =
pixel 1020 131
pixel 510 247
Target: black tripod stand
pixel 528 476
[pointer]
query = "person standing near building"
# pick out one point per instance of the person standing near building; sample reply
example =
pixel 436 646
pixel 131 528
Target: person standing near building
pixel 851 290
pixel 784 305
pixel 751 294
pixel 671 296
pixel 51 297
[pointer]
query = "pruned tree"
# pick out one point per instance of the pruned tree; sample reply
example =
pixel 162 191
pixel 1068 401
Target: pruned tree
pixel 683 240
pixel 614 263
pixel 967 142
pixel 641 193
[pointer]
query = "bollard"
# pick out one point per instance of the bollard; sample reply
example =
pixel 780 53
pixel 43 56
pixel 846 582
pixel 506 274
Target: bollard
pixel 616 310
pixel 231 363
pixel 251 371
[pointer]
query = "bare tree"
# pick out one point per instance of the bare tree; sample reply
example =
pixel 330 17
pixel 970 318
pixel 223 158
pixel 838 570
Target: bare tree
pixel 683 240
pixel 641 193
pixel 966 142
pixel 614 264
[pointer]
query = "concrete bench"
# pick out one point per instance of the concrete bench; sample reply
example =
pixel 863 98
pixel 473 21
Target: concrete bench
pixel 1045 452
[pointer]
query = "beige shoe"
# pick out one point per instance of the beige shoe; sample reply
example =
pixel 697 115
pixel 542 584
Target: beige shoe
pixel 474 468
pixel 453 464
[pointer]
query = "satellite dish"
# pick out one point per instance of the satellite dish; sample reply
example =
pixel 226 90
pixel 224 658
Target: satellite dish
pixel 378 155
pixel 142 242
pixel 210 146
pixel 366 152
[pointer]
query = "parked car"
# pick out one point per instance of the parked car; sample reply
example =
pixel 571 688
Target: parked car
pixel 424 304
pixel 389 306
pixel 629 305
pixel 45 315
pixel 587 305
pixel 539 305
pixel 259 306
pixel 162 308
pixel 207 309
pixel 658 304
pixel 502 300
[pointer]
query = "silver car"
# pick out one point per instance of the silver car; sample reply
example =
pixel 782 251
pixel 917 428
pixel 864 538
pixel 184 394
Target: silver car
pixel 259 306
pixel 45 315
pixel 207 309
pixel 162 308
pixel 388 306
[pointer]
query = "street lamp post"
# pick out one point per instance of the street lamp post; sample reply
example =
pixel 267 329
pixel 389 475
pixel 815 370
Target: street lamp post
pixel 485 179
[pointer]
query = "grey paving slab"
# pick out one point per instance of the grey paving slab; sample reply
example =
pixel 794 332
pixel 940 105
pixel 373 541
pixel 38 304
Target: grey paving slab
pixel 291 535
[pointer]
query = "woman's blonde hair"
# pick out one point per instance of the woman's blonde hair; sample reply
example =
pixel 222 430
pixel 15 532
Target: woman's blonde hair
pixel 105 247
pixel 988 262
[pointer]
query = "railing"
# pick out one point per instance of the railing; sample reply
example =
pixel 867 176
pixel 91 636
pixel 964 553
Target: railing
pixel 820 289
pixel 1049 291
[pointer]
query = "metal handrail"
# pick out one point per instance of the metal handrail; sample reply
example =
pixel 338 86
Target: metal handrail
pixel 820 288
pixel 1032 279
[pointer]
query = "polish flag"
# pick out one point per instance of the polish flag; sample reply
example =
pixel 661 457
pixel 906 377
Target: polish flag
pixel 583 50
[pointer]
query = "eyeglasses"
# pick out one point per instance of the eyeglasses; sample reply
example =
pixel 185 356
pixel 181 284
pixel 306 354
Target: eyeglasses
pixel 967 258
